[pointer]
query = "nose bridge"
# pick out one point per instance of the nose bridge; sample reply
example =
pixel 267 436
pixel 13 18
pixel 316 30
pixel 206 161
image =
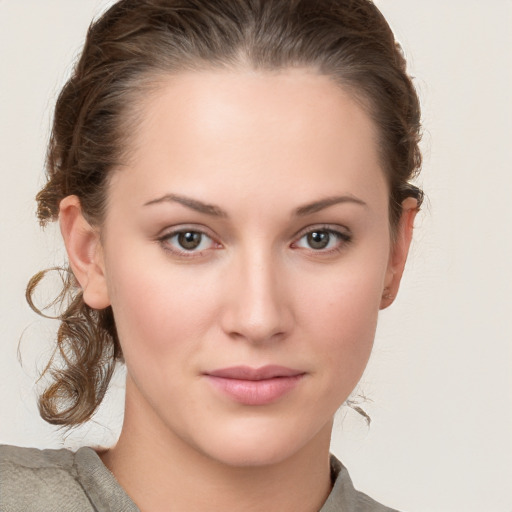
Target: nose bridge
pixel 257 309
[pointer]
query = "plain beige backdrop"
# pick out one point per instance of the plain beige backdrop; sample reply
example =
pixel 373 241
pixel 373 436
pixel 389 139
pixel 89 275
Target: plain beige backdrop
pixel 440 378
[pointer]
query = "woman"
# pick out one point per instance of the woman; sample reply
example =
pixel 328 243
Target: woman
pixel 231 180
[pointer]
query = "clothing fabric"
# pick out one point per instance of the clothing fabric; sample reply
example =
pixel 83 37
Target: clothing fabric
pixel 33 480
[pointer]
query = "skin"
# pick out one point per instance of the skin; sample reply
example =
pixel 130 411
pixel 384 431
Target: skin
pixel 259 146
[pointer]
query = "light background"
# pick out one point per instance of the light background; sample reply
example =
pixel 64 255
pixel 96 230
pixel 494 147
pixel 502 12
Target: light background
pixel 440 378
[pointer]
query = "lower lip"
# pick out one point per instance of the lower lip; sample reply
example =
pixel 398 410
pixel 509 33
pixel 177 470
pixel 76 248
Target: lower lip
pixel 255 392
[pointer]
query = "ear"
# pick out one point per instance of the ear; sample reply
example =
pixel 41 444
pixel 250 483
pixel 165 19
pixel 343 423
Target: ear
pixel 399 251
pixel 85 254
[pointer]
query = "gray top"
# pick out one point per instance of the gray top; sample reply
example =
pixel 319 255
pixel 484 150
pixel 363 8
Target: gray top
pixel 33 480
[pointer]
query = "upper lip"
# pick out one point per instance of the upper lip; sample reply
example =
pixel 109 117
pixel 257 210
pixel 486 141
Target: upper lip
pixel 249 373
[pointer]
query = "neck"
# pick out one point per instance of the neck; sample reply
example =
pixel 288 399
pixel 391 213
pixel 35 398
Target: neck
pixel 158 470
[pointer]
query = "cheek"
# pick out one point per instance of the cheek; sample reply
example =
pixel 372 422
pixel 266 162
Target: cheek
pixel 157 307
pixel 341 311
pixel 347 315
pixel 346 348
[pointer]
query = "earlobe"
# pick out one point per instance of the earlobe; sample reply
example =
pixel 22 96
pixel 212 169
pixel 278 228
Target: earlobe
pixel 84 252
pixel 399 251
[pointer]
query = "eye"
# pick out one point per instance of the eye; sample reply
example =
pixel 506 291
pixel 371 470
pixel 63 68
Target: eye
pixel 322 239
pixel 188 241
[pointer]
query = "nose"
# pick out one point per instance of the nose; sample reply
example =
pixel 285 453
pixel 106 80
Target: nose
pixel 257 307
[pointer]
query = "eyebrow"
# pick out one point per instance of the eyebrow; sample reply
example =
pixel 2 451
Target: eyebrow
pixel 194 204
pixel 210 209
pixel 317 206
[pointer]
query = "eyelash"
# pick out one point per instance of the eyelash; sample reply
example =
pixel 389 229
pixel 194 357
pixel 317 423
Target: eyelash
pixel 341 237
pixel 165 241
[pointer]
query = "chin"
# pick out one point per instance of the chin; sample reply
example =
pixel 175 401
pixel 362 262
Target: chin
pixel 264 445
pixel 256 455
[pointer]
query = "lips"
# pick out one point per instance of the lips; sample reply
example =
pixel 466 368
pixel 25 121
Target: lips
pixel 254 386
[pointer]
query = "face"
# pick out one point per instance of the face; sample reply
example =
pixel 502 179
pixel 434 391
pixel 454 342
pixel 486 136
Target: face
pixel 245 251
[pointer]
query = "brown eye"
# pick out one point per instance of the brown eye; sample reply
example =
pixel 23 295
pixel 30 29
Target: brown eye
pixel 189 240
pixel 318 239
pixel 323 240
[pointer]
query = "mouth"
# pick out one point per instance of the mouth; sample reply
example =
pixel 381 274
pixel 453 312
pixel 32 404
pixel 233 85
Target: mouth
pixel 255 386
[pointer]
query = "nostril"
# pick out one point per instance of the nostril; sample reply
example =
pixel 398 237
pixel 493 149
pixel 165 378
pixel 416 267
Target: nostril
pixel 256 334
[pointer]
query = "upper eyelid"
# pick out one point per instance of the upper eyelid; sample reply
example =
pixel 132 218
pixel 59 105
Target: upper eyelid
pixel 168 233
pixel 333 228
pixel 174 230
pixel 164 240
pixel 180 228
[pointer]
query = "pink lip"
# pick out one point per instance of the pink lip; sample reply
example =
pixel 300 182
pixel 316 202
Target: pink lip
pixel 255 386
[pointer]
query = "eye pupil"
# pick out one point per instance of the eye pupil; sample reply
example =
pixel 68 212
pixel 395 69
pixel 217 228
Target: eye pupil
pixel 318 239
pixel 189 240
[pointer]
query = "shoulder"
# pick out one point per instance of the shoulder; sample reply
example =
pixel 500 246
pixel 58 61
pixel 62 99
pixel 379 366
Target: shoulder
pixel 344 497
pixel 35 480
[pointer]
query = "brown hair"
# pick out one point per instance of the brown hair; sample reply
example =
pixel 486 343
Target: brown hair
pixel 125 52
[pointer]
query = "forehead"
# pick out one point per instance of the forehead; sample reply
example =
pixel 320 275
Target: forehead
pixel 251 129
